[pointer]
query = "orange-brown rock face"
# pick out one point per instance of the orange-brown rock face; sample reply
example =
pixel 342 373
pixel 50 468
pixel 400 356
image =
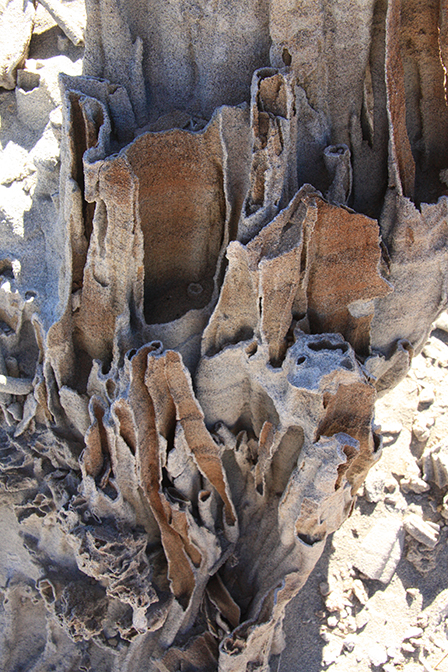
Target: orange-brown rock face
pixel 202 397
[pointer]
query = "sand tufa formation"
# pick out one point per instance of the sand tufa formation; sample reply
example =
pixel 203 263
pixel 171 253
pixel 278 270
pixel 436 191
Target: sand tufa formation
pixel 249 242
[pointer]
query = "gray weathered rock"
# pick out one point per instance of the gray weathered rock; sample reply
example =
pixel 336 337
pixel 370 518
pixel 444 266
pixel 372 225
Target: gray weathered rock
pixel 442 322
pixel 69 15
pixel 374 485
pixel 414 484
pixel 425 532
pixel 16 27
pixel 435 464
pixel 380 551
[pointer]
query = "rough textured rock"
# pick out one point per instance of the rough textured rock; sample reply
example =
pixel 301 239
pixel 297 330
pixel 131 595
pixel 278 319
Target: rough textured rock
pixel 239 258
pixel 380 551
pixel 16 27
pixel 69 15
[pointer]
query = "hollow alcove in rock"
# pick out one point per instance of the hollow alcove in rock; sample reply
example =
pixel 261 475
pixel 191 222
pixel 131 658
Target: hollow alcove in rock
pixel 181 210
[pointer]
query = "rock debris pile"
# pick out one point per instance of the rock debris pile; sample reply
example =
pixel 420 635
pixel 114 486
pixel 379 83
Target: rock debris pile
pixel 384 594
pixel 231 237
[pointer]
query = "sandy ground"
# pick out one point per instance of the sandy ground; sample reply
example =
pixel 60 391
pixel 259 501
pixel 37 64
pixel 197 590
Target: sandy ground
pixel 342 621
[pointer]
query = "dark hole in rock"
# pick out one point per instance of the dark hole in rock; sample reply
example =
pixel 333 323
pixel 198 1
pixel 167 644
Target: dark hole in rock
pixel 84 366
pixel 307 539
pixel 327 345
pixel 176 496
pixel 83 140
pixel 110 387
pixel 336 150
pixel 287 227
pixel 6 329
pixel 47 591
pixel 6 269
pixel 252 349
pixel 27 81
pixel 286 56
pixel 347 364
pixel 110 491
pixel 377 442
pixel 105 366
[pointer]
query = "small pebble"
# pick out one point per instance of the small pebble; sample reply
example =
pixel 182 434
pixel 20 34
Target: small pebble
pixel 350 624
pixel 324 634
pixel 377 654
pixel 324 588
pixel 342 627
pixel 425 532
pixel 421 428
pixel 332 651
pixel 360 592
pixel 332 621
pixel 412 592
pixel 437 351
pixel 393 652
pixel 392 427
pixel 336 600
pixel 426 396
pixel 56 117
pixel 407 647
pixel 349 643
pixel 422 620
pixel 412 632
pixel 389 667
pixel 414 484
pixel 374 485
pixel 380 551
pixel 442 322
pixel 415 642
pixel 362 619
pixel 390 485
